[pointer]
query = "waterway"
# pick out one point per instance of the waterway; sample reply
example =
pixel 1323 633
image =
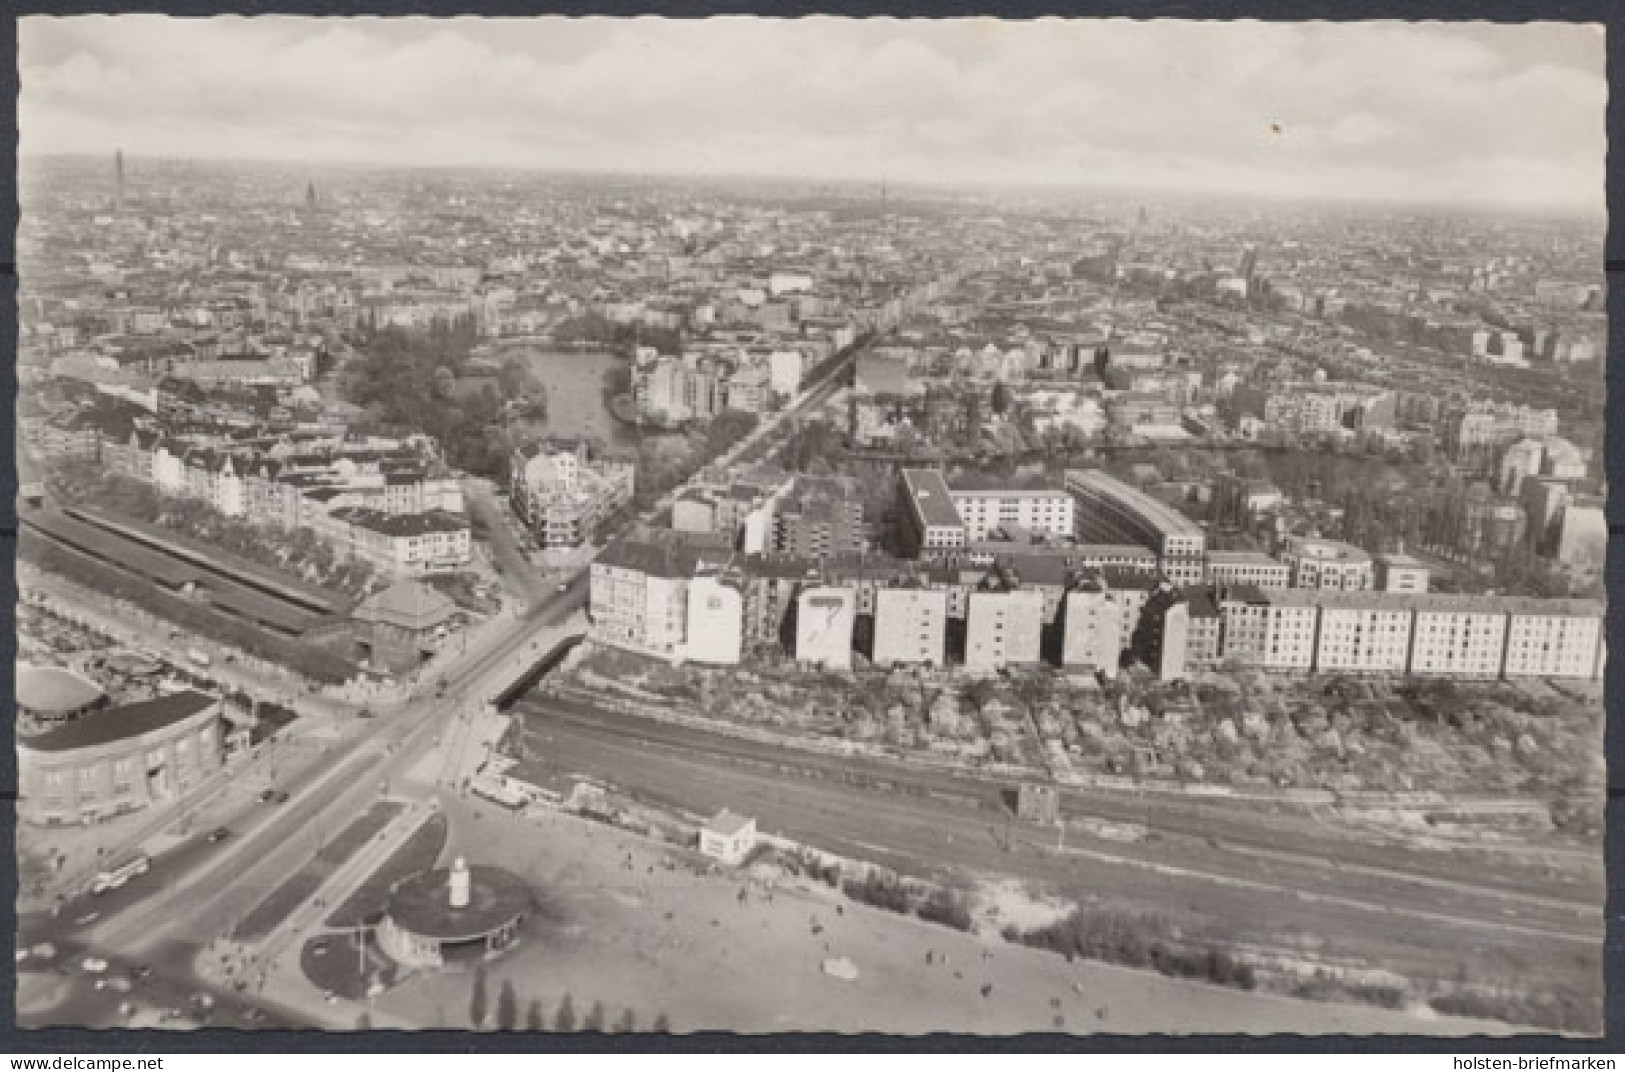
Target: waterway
pixel 576 402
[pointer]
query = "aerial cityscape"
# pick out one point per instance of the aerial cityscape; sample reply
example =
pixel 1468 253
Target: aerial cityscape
pixel 718 566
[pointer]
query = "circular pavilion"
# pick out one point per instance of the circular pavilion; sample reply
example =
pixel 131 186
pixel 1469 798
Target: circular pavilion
pixel 454 913
pixel 54 694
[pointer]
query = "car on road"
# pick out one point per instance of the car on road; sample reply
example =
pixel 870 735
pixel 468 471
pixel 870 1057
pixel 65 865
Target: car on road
pixel 202 1000
pixel 218 835
pixel 42 951
pixel 273 796
pixel 116 983
pixel 93 965
pixel 87 919
pixel 142 971
pixel 564 586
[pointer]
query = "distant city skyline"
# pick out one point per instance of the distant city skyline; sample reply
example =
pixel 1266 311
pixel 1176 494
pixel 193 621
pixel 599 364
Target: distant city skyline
pixel 1470 114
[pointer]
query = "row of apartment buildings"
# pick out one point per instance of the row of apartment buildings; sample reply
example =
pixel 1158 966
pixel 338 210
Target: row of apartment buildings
pixel 1327 631
pixel 402 515
pixel 681 604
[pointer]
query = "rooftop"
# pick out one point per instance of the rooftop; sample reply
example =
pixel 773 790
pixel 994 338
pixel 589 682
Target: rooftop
pixel 122 723
pixel 53 690
pixel 407 604
pixel 727 824
pixel 422 904
pixel 1151 510
pixel 931 497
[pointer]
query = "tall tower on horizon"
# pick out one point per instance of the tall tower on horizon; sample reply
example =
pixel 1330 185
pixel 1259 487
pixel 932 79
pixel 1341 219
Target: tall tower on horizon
pixel 310 197
pixel 118 180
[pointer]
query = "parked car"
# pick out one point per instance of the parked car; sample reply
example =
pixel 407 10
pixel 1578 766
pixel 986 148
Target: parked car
pixel 218 835
pixel 93 965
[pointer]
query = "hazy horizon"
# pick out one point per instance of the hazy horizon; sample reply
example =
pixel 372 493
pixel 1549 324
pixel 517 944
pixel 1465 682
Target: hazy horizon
pixel 1486 116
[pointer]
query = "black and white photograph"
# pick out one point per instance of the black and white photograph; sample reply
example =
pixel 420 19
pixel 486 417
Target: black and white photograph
pixel 653 526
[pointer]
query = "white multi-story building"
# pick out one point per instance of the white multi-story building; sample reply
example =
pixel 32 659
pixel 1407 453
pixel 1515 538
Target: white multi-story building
pixel 930 522
pixel 785 368
pixel 1044 511
pixel 1092 636
pixel 1399 572
pixel 716 622
pixel 1247 567
pixel 1332 564
pixel 1003 629
pixel 563 494
pixel 910 626
pixel 1362 633
pixel 1458 636
pixel 1554 638
pixel 1110 511
pixel 824 621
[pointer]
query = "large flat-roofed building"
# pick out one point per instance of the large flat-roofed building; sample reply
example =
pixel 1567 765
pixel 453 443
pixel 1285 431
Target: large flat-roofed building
pixel 985 511
pixel 930 521
pixel 1333 564
pixel 911 626
pixel 121 759
pixel 1458 636
pixel 824 621
pixel 1004 629
pixel 1270 629
pixel 1110 511
pixel 1247 567
pixel 638 597
pixel 1554 638
pixel 1362 633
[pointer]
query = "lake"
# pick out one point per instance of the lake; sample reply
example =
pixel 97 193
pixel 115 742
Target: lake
pixel 576 405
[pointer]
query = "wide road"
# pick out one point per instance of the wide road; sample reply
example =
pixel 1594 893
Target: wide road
pixel 1417 928
pixel 195 890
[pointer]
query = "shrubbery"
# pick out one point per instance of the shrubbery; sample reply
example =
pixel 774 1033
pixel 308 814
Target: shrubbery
pixel 1562 1010
pixel 1121 939
pixel 947 908
pixel 881 892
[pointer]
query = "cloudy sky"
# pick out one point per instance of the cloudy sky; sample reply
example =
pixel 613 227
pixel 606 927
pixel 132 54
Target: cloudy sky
pixel 1432 112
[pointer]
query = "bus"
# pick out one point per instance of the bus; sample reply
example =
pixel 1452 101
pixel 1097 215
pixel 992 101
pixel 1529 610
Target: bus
pixel 114 878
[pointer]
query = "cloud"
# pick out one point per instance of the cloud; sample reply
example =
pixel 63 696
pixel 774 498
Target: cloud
pixel 1388 110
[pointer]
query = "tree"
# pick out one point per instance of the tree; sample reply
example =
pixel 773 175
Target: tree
pixel 479 1001
pixel 663 1024
pixel 595 1018
pixel 507 1007
pixel 979 692
pixel 627 1024
pixel 565 1018
pixel 533 1017
pixel 445 382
